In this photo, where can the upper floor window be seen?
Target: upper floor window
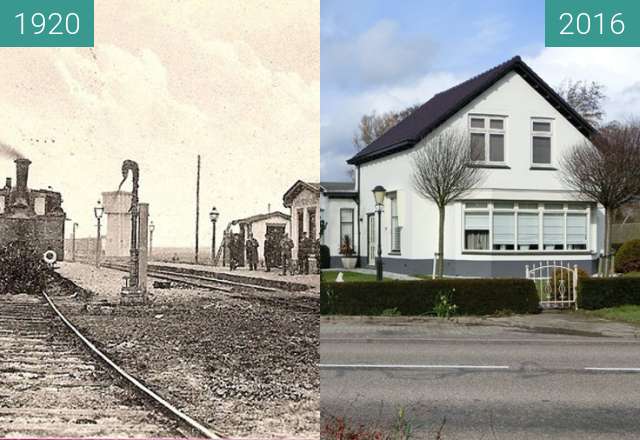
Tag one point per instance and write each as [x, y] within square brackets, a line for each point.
[541, 135]
[487, 138]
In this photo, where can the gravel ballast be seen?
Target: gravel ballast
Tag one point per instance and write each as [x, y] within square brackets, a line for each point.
[242, 365]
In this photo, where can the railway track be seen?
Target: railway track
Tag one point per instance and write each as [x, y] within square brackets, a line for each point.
[55, 383]
[295, 301]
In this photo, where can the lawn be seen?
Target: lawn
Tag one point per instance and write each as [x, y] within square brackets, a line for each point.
[626, 313]
[330, 276]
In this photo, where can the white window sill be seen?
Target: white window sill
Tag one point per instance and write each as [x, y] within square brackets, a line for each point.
[498, 165]
[532, 252]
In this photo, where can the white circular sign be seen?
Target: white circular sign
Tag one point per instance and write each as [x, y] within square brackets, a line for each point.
[50, 257]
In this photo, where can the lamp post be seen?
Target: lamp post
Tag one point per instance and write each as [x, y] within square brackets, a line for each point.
[73, 242]
[213, 216]
[97, 212]
[152, 228]
[378, 194]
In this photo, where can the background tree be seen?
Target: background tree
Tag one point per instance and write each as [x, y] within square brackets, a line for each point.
[607, 171]
[374, 125]
[586, 98]
[441, 173]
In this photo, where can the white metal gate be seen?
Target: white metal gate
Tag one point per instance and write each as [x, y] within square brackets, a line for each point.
[556, 283]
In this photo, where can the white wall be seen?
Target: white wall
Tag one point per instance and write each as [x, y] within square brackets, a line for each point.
[513, 98]
[331, 207]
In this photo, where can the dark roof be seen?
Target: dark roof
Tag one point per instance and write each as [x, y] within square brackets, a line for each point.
[408, 132]
[329, 187]
[260, 217]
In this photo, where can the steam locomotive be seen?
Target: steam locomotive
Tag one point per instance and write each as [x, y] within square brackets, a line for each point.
[33, 217]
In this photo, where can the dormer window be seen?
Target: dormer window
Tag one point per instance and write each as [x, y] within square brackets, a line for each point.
[487, 139]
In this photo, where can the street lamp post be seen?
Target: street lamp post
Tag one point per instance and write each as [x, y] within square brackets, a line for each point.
[152, 228]
[73, 242]
[213, 216]
[97, 212]
[378, 194]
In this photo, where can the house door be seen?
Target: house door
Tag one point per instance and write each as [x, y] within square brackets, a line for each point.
[371, 240]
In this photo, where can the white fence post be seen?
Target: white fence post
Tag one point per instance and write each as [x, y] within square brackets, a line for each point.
[435, 262]
[575, 284]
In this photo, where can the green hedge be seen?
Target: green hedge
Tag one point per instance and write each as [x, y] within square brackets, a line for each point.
[325, 257]
[472, 296]
[598, 293]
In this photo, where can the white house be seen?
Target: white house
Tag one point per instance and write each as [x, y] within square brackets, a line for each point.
[522, 213]
[338, 216]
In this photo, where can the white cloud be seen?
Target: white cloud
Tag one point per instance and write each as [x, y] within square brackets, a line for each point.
[338, 127]
[380, 55]
[616, 68]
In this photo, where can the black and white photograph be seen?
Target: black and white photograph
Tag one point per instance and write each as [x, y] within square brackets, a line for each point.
[159, 225]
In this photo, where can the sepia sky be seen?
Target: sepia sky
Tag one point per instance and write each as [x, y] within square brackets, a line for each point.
[237, 82]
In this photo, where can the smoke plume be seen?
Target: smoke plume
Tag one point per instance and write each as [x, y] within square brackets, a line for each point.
[9, 152]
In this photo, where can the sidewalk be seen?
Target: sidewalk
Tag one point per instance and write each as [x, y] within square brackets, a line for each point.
[544, 324]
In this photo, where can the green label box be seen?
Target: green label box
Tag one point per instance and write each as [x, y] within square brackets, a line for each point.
[592, 23]
[46, 23]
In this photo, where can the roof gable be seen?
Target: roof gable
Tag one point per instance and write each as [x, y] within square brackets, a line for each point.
[444, 105]
[297, 188]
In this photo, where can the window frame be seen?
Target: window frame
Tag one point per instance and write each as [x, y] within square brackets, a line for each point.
[544, 134]
[566, 210]
[487, 131]
[393, 198]
[353, 230]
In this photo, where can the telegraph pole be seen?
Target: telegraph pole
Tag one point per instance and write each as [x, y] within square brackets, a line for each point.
[197, 208]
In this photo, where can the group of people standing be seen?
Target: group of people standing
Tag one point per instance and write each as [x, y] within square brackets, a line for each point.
[277, 252]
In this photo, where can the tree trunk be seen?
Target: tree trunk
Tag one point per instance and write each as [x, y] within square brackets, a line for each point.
[440, 262]
[605, 249]
[607, 242]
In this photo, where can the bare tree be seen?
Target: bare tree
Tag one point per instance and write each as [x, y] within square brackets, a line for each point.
[606, 170]
[585, 97]
[442, 173]
[373, 125]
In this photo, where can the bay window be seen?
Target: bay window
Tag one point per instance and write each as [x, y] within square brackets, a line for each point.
[476, 227]
[506, 226]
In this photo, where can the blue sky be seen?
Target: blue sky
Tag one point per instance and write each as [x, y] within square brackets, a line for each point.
[384, 55]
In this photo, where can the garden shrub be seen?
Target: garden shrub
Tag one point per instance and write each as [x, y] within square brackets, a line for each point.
[628, 257]
[471, 296]
[598, 293]
[325, 257]
[22, 269]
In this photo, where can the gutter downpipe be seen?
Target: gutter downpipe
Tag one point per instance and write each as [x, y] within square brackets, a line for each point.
[358, 210]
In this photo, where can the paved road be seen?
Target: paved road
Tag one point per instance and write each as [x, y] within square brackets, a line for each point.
[504, 384]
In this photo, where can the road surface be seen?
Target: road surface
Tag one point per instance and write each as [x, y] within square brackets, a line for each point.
[488, 382]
